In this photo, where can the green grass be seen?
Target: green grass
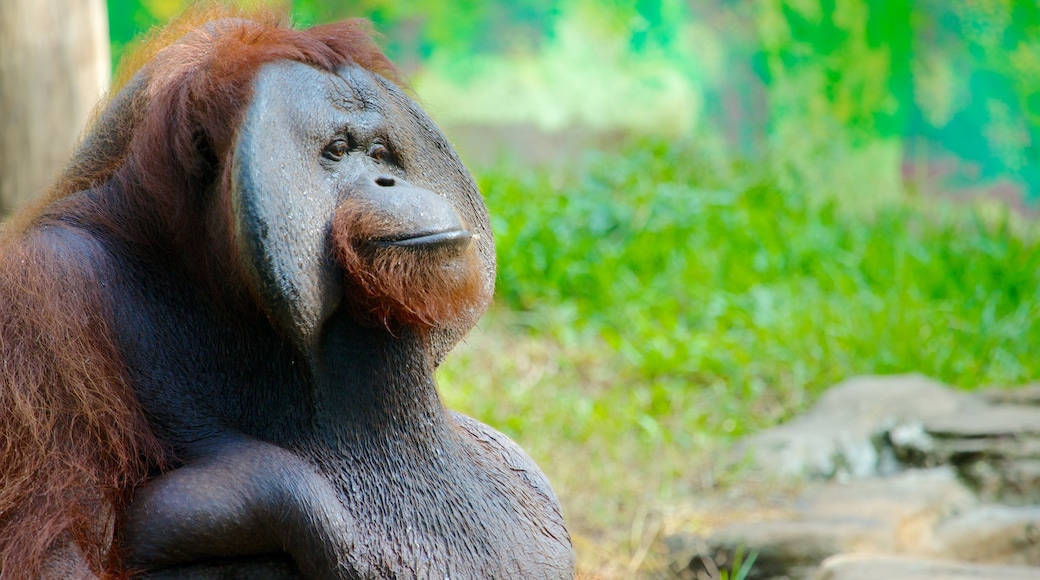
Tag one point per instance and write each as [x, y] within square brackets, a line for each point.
[652, 305]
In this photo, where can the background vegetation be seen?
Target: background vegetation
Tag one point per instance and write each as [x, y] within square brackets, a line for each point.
[772, 213]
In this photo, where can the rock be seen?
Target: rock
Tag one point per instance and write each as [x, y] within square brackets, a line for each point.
[874, 567]
[871, 426]
[993, 534]
[882, 514]
[845, 434]
[1012, 481]
[912, 471]
[996, 448]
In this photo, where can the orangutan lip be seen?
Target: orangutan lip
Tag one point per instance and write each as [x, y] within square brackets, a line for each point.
[448, 238]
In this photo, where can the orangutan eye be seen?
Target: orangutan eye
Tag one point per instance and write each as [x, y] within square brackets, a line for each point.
[379, 152]
[335, 150]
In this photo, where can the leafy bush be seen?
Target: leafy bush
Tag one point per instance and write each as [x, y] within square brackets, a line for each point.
[752, 286]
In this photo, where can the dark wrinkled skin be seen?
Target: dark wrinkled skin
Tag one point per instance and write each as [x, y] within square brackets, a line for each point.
[308, 444]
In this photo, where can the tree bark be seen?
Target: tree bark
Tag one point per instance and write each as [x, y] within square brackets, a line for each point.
[54, 66]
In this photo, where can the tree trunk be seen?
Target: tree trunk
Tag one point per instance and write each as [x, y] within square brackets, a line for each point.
[54, 66]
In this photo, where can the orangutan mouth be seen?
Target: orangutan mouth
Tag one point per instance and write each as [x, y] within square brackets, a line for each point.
[456, 238]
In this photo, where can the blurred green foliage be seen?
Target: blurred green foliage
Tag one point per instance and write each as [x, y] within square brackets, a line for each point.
[858, 97]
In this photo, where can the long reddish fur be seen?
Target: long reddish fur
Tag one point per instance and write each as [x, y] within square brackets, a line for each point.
[73, 439]
[392, 285]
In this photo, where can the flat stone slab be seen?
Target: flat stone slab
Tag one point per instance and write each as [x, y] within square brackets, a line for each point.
[931, 493]
[993, 533]
[894, 514]
[876, 567]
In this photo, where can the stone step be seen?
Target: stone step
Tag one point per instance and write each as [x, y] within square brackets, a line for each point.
[875, 567]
